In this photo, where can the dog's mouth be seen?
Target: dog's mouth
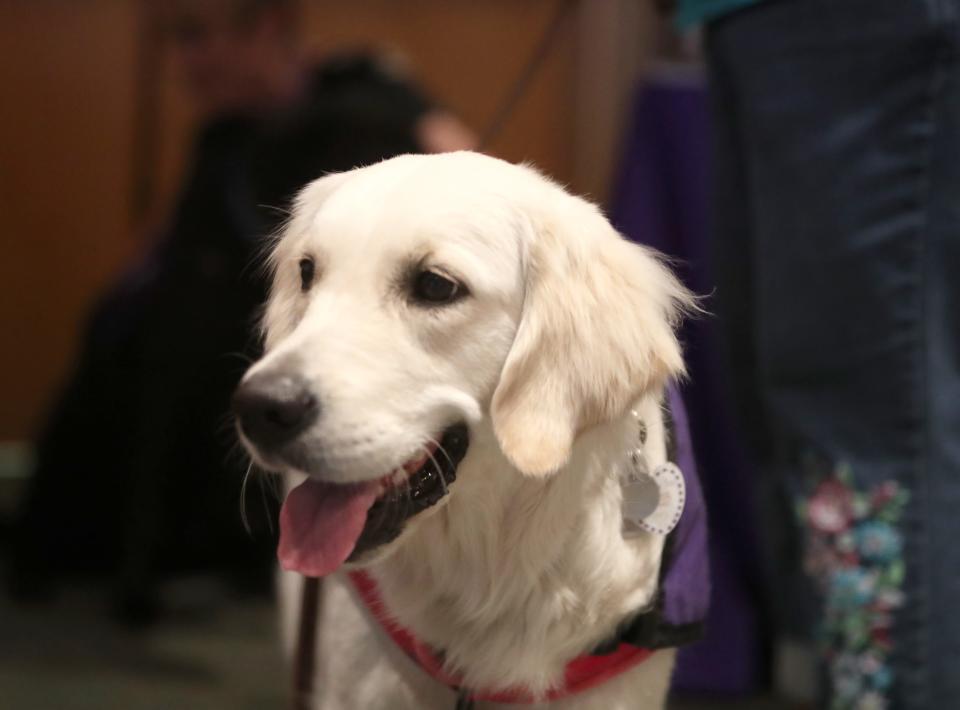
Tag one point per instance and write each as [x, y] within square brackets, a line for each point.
[323, 525]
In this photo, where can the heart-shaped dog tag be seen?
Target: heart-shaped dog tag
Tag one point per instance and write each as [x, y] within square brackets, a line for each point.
[653, 502]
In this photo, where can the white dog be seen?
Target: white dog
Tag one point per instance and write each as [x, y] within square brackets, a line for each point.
[454, 345]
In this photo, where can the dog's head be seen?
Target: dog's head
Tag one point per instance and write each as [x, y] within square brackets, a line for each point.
[413, 299]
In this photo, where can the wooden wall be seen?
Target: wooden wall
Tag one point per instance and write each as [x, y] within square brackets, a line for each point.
[68, 72]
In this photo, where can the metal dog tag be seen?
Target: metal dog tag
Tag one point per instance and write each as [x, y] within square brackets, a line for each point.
[652, 502]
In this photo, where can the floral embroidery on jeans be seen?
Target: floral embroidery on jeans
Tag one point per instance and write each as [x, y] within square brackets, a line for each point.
[854, 551]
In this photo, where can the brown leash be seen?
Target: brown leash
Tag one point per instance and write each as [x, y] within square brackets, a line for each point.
[304, 659]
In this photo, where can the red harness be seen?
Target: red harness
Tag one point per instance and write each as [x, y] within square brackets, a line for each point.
[582, 673]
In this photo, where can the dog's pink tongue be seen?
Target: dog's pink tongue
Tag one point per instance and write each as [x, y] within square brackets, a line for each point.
[320, 524]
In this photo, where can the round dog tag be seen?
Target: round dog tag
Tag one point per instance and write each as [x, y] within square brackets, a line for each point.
[653, 502]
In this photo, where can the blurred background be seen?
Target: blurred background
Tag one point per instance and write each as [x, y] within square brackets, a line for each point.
[146, 148]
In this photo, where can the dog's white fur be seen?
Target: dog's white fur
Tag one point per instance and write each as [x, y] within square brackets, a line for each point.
[523, 566]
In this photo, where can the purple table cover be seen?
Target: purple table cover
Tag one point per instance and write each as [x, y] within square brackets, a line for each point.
[661, 198]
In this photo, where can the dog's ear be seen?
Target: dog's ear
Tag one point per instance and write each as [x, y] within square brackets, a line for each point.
[596, 332]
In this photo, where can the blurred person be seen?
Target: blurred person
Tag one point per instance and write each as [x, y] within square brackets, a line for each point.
[135, 475]
[837, 227]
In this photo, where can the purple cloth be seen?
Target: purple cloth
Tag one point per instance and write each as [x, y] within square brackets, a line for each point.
[686, 585]
[661, 198]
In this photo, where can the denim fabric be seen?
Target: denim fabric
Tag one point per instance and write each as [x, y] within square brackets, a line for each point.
[837, 140]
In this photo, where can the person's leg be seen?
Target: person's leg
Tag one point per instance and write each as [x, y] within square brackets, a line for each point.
[847, 115]
[732, 270]
[941, 256]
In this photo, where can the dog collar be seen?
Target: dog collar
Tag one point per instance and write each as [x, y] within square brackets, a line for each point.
[581, 674]
[675, 619]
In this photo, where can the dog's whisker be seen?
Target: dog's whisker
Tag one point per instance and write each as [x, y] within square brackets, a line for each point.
[276, 487]
[439, 447]
[268, 514]
[241, 356]
[243, 500]
[407, 501]
[227, 425]
[436, 465]
[236, 457]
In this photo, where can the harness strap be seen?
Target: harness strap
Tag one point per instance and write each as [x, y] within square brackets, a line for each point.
[581, 673]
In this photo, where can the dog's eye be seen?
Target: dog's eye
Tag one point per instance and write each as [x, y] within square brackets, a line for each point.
[431, 287]
[307, 269]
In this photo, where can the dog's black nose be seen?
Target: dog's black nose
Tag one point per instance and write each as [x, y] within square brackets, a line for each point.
[274, 409]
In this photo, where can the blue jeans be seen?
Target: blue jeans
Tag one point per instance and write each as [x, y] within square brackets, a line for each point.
[837, 141]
